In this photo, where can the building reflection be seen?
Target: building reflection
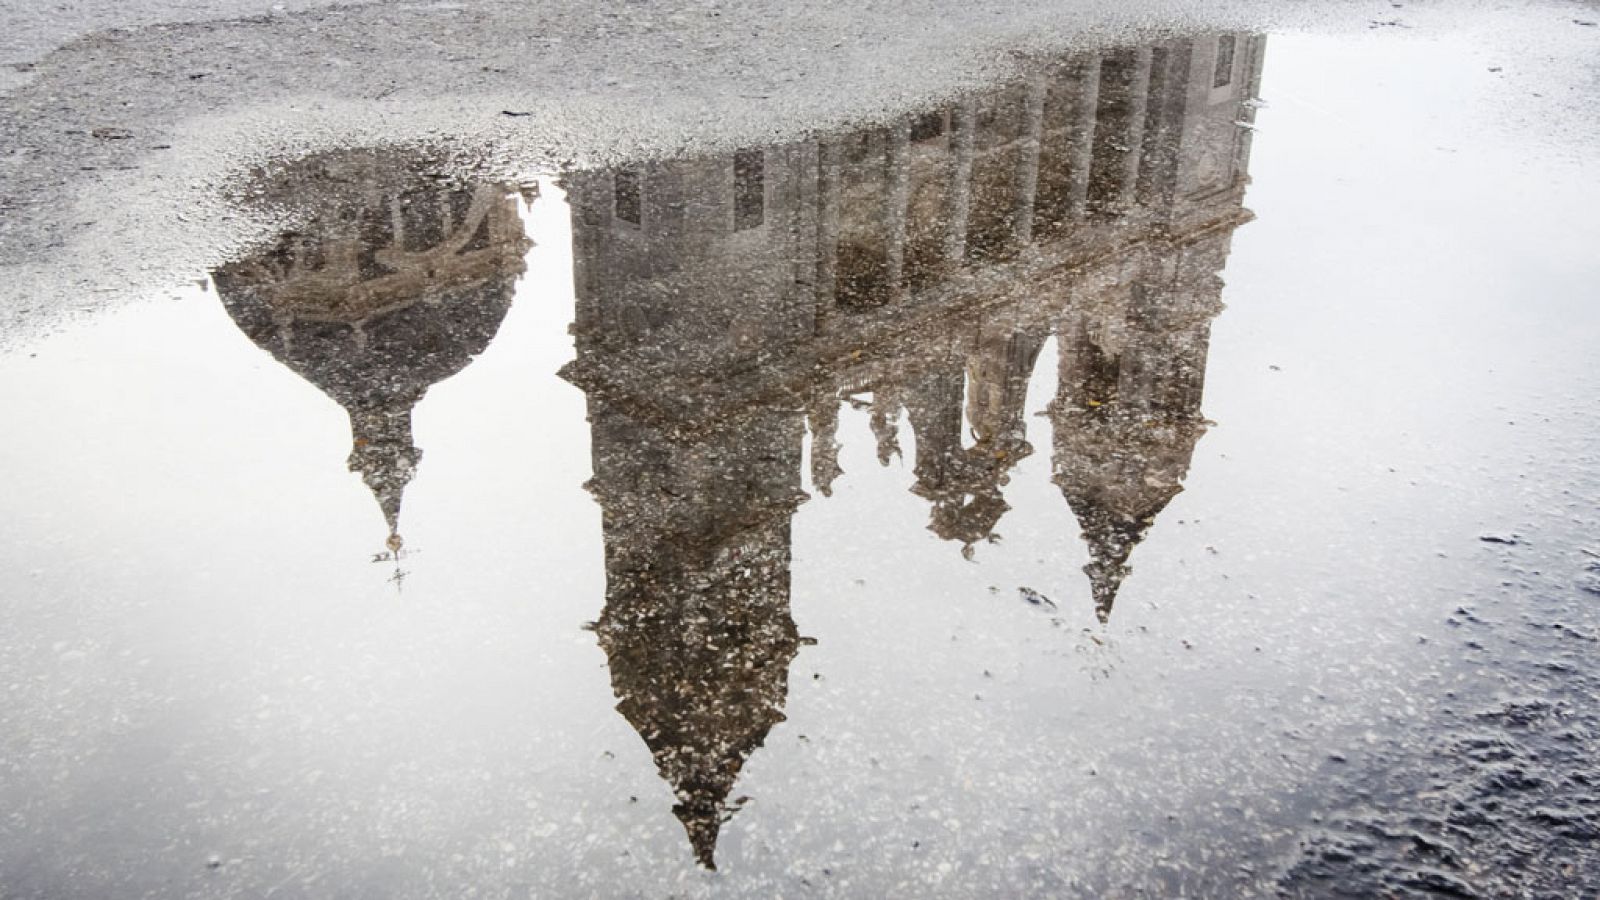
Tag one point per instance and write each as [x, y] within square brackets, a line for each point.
[394, 282]
[727, 305]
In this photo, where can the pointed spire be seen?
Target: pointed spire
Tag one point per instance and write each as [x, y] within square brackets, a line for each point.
[702, 821]
[703, 680]
[699, 649]
[1111, 540]
[1118, 470]
[383, 454]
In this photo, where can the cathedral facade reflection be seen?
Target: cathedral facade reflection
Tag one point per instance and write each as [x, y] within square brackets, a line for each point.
[727, 305]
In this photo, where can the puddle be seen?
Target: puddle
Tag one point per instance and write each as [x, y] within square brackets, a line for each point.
[1075, 487]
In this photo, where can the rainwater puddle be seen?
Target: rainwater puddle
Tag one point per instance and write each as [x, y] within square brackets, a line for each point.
[1081, 487]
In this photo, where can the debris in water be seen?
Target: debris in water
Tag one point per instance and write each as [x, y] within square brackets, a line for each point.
[1034, 598]
[1510, 540]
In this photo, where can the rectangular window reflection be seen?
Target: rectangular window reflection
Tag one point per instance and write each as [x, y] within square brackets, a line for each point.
[749, 188]
[626, 199]
[1224, 75]
[927, 127]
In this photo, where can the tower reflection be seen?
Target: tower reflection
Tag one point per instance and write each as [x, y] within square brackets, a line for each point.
[395, 282]
[696, 625]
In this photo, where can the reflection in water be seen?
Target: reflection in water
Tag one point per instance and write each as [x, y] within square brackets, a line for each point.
[1127, 405]
[696, 623]
[726, 305]
[395, 283]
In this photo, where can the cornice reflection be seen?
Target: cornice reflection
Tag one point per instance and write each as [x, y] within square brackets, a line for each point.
[728, 304]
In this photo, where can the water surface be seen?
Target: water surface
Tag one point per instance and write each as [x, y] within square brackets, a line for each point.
[1102, 483]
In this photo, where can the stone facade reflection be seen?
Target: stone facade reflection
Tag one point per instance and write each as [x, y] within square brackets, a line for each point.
[727, 305]
[394, 282]
[696, 624]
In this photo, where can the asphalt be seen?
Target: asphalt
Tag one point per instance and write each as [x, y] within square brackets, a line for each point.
[124, 123]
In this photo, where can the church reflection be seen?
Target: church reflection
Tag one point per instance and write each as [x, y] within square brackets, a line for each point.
[395, 282]
[728, 305]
